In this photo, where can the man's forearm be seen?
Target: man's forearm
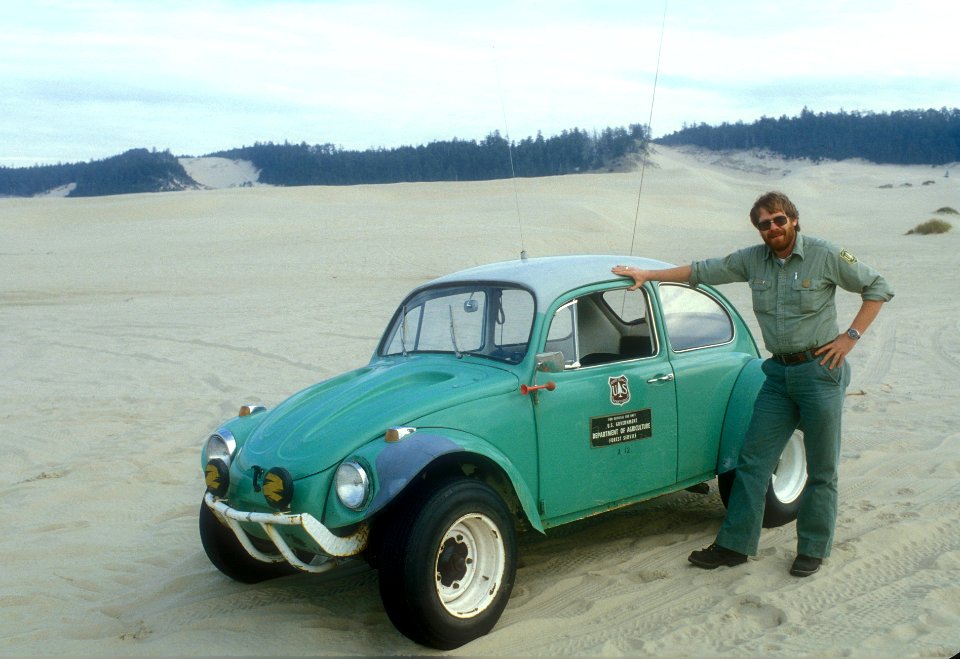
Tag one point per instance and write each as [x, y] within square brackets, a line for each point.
[834, 353]
[867, 314]
[679, 273]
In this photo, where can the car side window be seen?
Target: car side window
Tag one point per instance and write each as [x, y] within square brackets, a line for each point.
[603, 327]
[693, 318]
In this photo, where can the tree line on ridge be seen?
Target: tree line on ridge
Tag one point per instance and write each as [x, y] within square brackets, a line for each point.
[903, 137]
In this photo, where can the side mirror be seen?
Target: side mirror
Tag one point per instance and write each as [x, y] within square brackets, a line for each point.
[550, 362]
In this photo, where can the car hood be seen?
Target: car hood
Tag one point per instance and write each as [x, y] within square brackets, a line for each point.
[321, 425]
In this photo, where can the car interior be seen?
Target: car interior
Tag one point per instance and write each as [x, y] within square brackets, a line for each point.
[610, 326]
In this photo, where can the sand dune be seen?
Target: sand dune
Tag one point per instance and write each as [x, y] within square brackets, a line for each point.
[221, 172]
[133, 325]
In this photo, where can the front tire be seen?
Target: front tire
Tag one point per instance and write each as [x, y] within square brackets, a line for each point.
[448, 566]
[228, 555]
[787, 484]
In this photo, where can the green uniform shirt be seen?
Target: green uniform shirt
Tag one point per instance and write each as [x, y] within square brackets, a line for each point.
[794, 302]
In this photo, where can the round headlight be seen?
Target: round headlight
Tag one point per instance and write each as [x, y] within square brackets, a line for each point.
[353, 485]
[221, 445]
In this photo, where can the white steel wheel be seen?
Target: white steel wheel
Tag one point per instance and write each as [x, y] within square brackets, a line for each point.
[448, 562]
[787, 484]
[470, 564]
[790, 475]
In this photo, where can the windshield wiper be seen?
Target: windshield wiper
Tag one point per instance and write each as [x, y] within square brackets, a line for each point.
[453, 334]
[403, 330]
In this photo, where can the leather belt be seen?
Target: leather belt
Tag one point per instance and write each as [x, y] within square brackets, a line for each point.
[794, 358]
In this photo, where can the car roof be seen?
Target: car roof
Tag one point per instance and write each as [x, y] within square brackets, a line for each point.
[550, 276]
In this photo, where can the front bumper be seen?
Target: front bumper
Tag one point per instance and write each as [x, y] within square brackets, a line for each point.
[328, 545]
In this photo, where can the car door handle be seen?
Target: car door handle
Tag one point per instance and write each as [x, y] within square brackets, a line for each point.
[668, 377]
[533, 388]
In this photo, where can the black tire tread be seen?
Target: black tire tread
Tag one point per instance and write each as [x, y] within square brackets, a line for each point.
[410, 599]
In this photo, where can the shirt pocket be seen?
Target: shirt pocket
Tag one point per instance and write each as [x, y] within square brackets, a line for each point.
[813, 294]
[764, 298]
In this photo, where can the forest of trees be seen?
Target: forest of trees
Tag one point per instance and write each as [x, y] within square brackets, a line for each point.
[140, 170]
[930, 137]
[137, 170]
[454, 160]
[908, 137]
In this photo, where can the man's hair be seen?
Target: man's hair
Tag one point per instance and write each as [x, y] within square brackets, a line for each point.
[774, 202]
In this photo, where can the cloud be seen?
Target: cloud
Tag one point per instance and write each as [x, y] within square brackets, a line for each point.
[211, 74]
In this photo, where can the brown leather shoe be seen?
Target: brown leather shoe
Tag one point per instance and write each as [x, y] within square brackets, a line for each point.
[804, 566]
[714, 556]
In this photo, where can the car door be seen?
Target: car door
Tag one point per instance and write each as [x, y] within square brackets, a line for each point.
[706, 363]
[607, 431]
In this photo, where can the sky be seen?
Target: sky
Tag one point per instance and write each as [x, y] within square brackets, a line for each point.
[84, 80]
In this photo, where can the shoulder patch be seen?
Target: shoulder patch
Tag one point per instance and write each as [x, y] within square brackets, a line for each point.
[848, 257]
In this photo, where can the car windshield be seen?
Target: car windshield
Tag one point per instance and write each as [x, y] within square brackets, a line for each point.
[486, 320]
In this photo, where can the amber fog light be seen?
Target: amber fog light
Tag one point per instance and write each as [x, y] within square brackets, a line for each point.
[278, 488]
[217, 476]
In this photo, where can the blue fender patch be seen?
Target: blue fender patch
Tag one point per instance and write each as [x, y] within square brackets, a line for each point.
[398, 463]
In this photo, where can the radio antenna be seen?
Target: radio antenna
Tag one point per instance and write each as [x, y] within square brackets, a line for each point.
[646, 146]
[513, 173]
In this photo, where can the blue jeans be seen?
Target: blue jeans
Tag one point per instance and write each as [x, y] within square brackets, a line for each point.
[811, 396]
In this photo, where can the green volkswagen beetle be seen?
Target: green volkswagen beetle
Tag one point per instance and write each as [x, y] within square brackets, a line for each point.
[491, 392]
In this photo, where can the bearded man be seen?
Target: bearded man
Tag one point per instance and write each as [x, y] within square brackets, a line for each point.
[793, 279]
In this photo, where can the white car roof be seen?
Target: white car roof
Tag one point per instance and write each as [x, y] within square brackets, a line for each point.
[551, 276]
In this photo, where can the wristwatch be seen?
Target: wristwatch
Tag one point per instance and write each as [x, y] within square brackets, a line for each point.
[854, 334]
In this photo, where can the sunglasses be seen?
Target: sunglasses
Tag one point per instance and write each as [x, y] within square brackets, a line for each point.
[779, 220]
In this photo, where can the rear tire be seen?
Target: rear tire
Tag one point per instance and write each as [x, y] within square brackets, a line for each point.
[448, 568]
[228, 555]
[787, 484]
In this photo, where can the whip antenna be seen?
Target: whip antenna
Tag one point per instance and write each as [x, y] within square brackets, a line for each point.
[646, 148]
[513, 173]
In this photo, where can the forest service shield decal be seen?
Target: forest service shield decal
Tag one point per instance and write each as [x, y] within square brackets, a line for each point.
[619, 390]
